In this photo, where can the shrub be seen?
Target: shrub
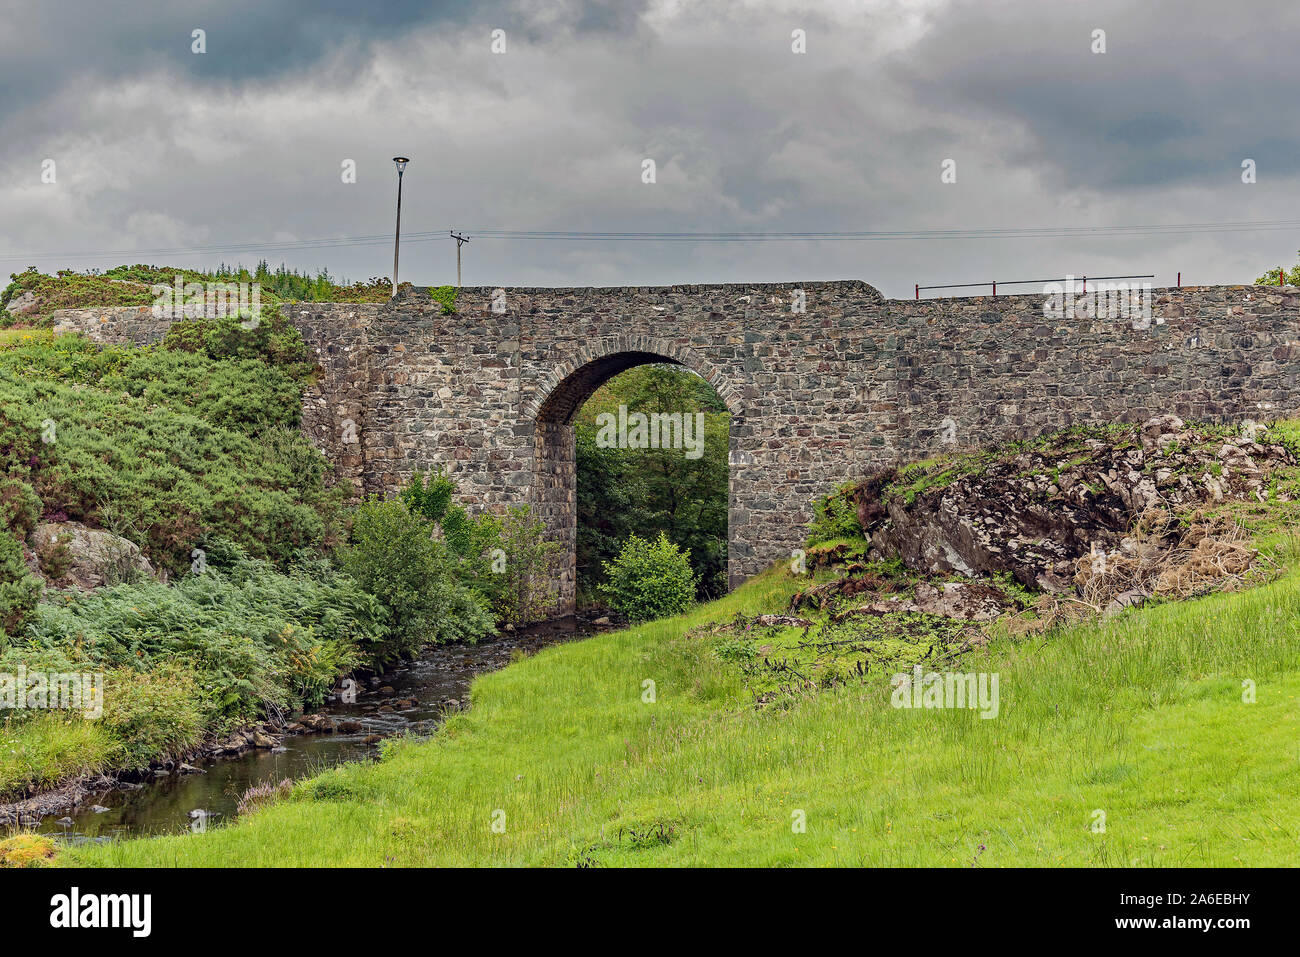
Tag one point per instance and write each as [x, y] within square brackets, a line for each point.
[528, 589]
[69, 290]
[20, 590]
[445, 296]
[245, 395]
[428, 499]
[833, 518]
[649, 580]
[167, 473]
[506, 559]
[273, 339]
[20, 507]
[155, 715]
[55, 555]
[394, 556]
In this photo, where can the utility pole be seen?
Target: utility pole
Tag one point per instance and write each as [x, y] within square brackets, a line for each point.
[460, 241]
[401, 162]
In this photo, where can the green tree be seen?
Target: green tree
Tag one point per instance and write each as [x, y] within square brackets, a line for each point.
[1271, 277]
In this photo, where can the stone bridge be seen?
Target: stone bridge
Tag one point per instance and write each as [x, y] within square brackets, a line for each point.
[824, 380]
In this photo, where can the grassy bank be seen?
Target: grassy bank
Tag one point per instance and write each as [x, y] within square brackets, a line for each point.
[1140, 716]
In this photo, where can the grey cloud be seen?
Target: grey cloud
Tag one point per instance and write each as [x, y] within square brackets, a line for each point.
[747, 137]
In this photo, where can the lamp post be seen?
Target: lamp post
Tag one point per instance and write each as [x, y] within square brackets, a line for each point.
[401, 162]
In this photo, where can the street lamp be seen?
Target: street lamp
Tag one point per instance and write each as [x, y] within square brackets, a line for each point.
[401, 162]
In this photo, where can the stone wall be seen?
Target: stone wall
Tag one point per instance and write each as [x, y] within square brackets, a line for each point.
[817, 397]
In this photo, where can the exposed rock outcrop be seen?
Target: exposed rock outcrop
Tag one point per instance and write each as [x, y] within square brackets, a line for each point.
[1035, 512]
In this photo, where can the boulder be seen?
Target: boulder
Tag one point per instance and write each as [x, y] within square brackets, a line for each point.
[22, 305]
[88, 557]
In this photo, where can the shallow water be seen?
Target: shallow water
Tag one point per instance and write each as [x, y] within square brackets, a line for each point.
[438, 681]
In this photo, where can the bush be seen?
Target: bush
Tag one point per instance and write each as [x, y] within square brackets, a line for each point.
[394, 556]
[506, 559]
[428, 499]
[834, 518]
[528, 583]
[20, 590]
[649, 580]
[245, 395]
[273, 339]
[156, 715]
[20, 507]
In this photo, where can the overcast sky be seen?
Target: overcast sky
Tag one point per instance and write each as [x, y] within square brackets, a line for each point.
[158, 147]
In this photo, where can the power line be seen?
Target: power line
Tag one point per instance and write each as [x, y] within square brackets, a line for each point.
[517, 235]
[1010, 232]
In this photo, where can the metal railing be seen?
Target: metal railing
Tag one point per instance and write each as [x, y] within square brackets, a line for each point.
[1033, 282]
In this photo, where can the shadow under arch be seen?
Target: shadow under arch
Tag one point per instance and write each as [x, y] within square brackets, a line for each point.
[559, 396]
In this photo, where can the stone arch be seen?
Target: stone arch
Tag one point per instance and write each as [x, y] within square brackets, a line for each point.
[561, 393]
[551, 410]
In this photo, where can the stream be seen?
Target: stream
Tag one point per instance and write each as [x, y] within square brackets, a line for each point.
[438, 681]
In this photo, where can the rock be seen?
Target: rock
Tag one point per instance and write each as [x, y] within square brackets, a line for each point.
[1134, 596]
[65, 821]
[348, 727]
[602, 621]
[1035, 513]
[94, 557]
[388, 689]
[973, 601]
[315, 722]
[372, 739]
[865, 498]
[262, 740]
[98, 808]
[24, 304]
[190, 769]
[782, 621]
[1157, 426]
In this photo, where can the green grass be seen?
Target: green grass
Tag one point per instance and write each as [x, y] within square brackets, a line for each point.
[48, 749]
[1140, 716]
